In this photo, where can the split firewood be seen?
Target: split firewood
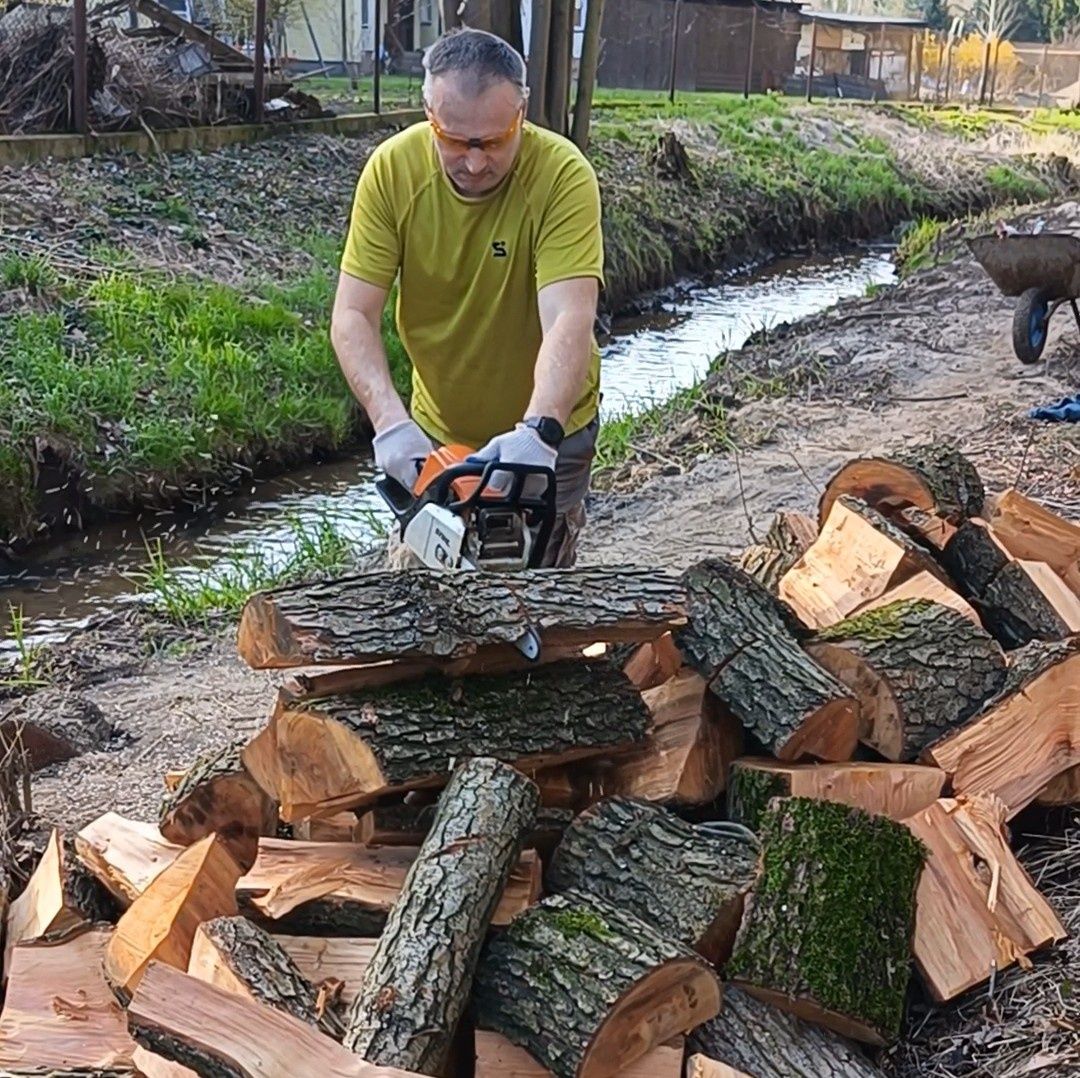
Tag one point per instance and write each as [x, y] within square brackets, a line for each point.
[828, 927]
[1024, 737]
[917, 669]
[61, 897]
[417, 984]
[340, 827]
[756, 1039]
[926, 489]
[424, 613]
[858, 556]
[587, 989]
[654, 662]
[496, 1057]
[1063, 790]
[339, 888]
[701, 1066]
[893, 790]
[240, 957]
[125, 855]
[217, 1032]
[347, 751]
[1031, 532]
[788, 539]
[337, 961]
[217, 795]
[160, 924]
[684, 882]
[743, 641]
[978, 911]
[925, 586]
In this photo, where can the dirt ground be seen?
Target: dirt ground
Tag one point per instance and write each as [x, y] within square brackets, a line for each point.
[929, 359]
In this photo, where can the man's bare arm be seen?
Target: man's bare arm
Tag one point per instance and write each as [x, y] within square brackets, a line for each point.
[567, 315]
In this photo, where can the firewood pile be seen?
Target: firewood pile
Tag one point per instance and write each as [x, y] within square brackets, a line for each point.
[717, 830]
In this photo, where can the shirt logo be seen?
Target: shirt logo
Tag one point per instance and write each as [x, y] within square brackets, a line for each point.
[498, 249]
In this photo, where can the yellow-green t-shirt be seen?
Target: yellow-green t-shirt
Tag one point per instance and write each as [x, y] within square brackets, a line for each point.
[469, 271]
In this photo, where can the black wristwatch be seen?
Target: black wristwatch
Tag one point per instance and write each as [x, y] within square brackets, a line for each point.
[549, 428]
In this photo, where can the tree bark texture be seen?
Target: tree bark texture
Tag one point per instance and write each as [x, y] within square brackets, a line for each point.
[973, 558]
[560, 63]
[757, 1039]
[743, 641]
[422, 612]
[52, 725]
[1017, 612]
[827, 931]
[766, 565]
[538, 70]
[418, 982]
[937, 670]
[556, 977]
[687, 884]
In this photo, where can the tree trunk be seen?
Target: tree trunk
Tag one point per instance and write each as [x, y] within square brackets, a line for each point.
[742, 641]
[918, 670]
[765, 564]
[450, 17]
[686, 884]
[335, 960]
[560, 60]
[590, 61]
[1029, 530]
[417, 985]
[348, 751]
[539, 61]
[506, 22]
[927, 490]
[827, 931]
[425, 613]
[586, 989]
[766, 1042]
[217, 795]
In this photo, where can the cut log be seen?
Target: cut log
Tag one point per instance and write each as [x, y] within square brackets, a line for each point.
[917, 669]
[978, 911]
[974, 556]
[417, 985]
[742, 640]
[587, 989]
[766, 565]
[685, 883]
[240, 957]
[496, 1057]
[160, 924]
[753, 1038]
[893, 790]
[339, 888]
[347, 751]
[53, 725]
[924, 489]
[218, 1033]
[827, 931]
[653, 663]
[924, 586]
[789, 537]
[125, 855]
[1031, 532]
[425, 613]
[340, 827]
[1063, 790]
[857, 557]
[1023, 738]
[217, 795]
[61, 897]
[341, 961]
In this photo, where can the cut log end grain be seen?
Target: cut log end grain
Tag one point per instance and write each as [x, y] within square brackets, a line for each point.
[496, 1057]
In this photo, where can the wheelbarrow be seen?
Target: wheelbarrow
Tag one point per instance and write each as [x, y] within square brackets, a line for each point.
[1043, 271]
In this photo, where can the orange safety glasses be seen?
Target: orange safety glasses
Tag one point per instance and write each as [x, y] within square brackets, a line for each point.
[487, 145]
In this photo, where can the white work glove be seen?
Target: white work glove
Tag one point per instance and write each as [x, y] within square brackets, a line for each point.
[522, 445]
[400, 451]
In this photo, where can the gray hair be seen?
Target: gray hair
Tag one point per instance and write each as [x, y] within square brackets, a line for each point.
[478, 57]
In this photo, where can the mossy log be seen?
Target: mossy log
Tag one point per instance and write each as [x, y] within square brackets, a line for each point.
[766, 1042]
[417, 984]
[918, 669]
[743, 641]
[685, 883]
[923, 489]
[348, 751]
[586, 989]
[216, 795]
[828, 927]
[425, 613]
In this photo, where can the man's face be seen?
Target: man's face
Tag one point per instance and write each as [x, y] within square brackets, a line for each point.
[492, 117]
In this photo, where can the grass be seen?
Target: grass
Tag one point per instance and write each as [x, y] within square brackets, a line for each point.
[918, 245]
[25, 671]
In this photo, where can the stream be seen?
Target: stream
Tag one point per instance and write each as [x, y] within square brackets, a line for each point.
[645, 361]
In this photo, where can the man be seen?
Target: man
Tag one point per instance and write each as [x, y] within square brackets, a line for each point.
[491, 228]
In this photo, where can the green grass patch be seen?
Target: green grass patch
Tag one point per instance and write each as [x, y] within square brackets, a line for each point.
[917, 248]
[25, 671]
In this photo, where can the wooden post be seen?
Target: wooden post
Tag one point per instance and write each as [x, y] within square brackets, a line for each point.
[376, 36]
[813, 60]
[750, 52]
[948, 68]
[79, 107]
[259, 82]
[985, 73]
[590, 59]
[674, 50]
[1042, 74]
[540, 36]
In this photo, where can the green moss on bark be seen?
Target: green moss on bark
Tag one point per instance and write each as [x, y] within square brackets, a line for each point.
[749, 792]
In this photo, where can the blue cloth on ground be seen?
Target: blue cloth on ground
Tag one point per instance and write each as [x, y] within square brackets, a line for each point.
[1066, 410]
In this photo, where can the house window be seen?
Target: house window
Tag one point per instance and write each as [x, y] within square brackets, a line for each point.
[427, 16]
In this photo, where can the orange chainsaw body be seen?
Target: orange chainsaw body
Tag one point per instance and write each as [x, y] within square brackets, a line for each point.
[446, 456]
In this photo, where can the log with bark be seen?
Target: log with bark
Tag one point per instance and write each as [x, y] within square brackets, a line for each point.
[893, 790]
[925, 489]
[423, 613]
[686, 883]
[1031, 532]
[160, 924]
[1026, 736]
[858, 556]
[587, 989]
[217, 795]
[978, 911]
[789, 537]
[918, 670]
[929, 587]
[53, 725]
[743, 641]
[496, 1057]
[417, 984]
[347, 751]
[827, 930]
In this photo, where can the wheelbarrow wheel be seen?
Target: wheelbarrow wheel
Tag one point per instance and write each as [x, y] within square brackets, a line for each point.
[1030, 322]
